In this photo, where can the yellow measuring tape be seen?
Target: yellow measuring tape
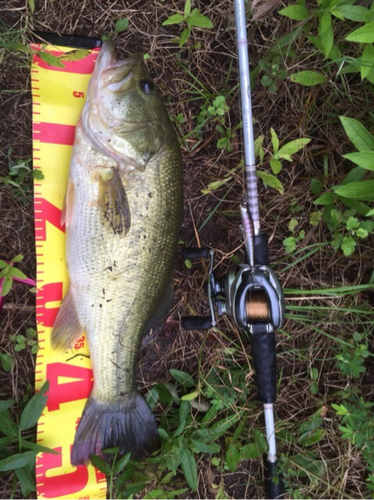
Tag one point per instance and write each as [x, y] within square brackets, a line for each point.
[58, 96]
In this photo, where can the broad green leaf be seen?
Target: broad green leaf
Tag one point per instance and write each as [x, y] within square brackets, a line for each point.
[174, 19]
[361, 208]
[34, 408]
[163, 433]
[326, 33]
[132, 490]
[315, 218]
[6, 362]
[189, 469]
[232, 456]
[290, 244]
[17, 461]
[355, 175]
[310, 425]
[295, 12]
[353, 12]
[337, 14]
[184, 410]
[7, 426]
[348, 245]
[121, 25]
[365, 34]
[50, 59]
[182, 377]
[260, 441]
[201, 447]
[357, 134]
[31, 5]
[340, 409]
[187, 8]
[190, 396]
[74, 55]
[6, 285]
[364, 159]
[5, 404]
[17, 258]
[292, 225]
[325, 199]
[29, 445]
[317, 42]
[308, 78]
[18, 274]
[293, 147]
[274, 140]
[100, 464]
[276, 166]
[6, 270]
[121, 464]
[249, 451]
[271, 181]
[367, 60]
[308, 463]
[310, 438]
[213, 186]
[26, 480]
[316, 186]
[199, 20]
[178, 431]
[222, 142]
[223, 425]
[184, 36]
[327, 39]
[324, 22]
[363, 190]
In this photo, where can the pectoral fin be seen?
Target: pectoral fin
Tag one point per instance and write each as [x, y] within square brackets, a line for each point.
[66, 329]
[115, 210]
[67, 210]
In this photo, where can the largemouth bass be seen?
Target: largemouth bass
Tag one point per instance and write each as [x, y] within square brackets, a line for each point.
[123, 212]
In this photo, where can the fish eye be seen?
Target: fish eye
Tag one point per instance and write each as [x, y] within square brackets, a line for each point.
[146, 86]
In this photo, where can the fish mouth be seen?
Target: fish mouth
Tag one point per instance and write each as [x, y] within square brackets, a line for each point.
[112, 74]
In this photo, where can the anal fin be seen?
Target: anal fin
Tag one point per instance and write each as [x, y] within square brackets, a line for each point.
[66, 329]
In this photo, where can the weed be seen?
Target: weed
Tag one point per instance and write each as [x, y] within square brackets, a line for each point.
[9, 273]
[290, 243]
[272, 72]
[20, 177]
[22, 341]
[192, 18]
[17, 449]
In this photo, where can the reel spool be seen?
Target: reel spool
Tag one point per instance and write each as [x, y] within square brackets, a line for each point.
[257, 307]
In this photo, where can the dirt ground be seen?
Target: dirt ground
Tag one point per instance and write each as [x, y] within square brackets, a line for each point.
[292, 113]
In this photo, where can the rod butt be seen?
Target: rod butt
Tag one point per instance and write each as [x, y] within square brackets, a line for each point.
[274, 487]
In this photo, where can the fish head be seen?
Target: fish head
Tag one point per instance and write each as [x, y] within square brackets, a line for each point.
[124, 115]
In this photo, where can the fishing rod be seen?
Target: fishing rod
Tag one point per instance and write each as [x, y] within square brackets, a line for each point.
[250, 293]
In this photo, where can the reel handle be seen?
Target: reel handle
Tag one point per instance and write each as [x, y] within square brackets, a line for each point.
[195, 253]
[197, 322]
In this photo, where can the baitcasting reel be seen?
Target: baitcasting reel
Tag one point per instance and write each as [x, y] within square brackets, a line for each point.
[250, 295]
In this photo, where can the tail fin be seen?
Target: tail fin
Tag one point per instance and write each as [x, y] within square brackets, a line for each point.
[128, 424]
